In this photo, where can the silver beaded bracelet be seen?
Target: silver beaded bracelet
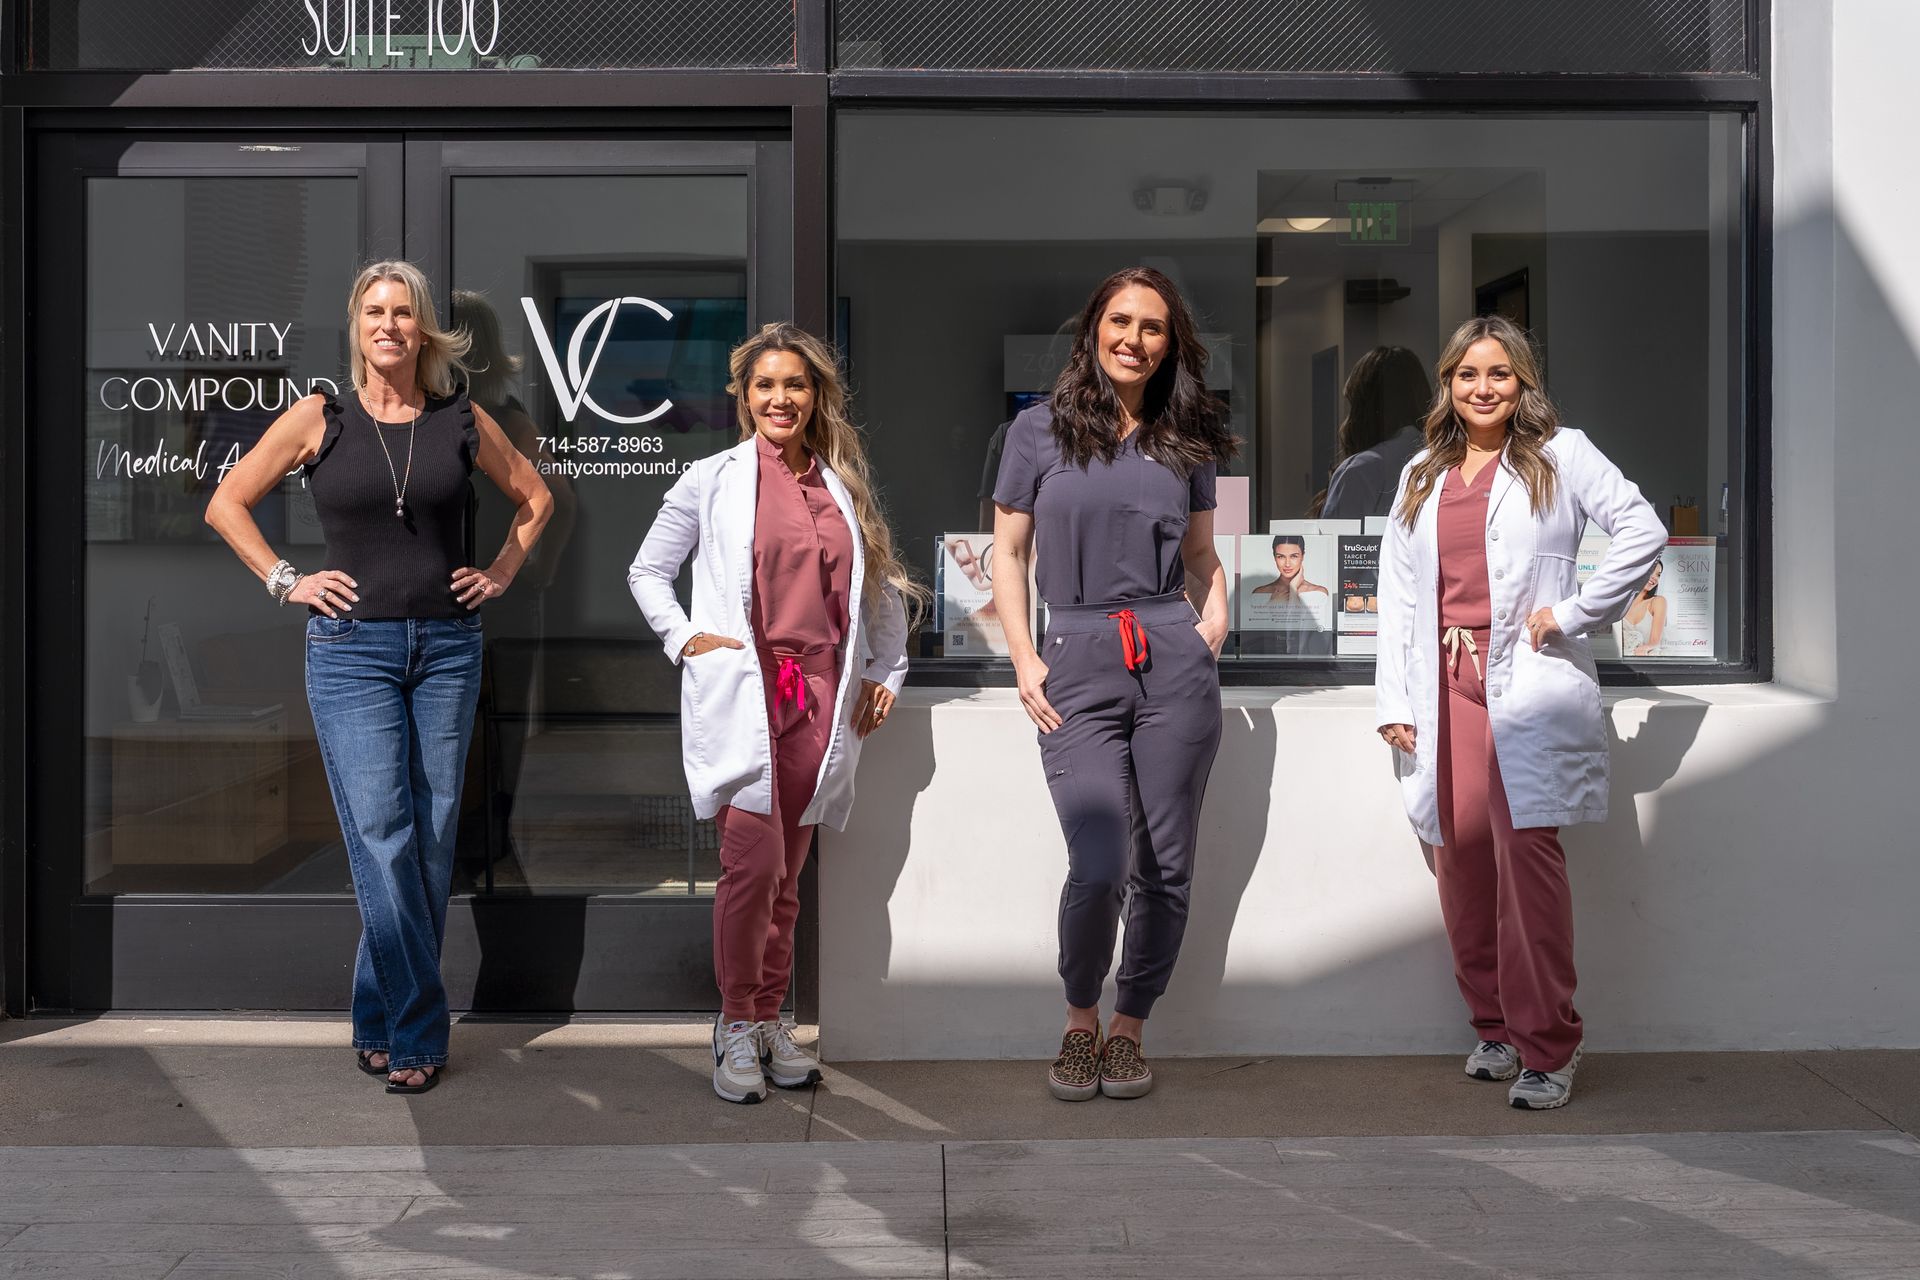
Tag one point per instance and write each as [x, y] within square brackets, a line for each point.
[281, 580]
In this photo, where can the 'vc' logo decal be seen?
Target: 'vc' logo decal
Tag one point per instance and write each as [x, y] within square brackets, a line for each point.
[570, 385]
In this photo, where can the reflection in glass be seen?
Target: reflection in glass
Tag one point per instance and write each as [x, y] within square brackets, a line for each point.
[213, 303]
[603, 308]
[1327, 260]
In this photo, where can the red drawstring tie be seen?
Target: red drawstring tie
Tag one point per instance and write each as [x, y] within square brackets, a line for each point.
[1133, 639]
[790, 684]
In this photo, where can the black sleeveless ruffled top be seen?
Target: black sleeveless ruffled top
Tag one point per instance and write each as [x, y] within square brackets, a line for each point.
[404, 563]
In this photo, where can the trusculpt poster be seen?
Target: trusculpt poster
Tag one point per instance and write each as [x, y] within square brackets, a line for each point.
[969, 625]
[1358, 601]
[1286, 580]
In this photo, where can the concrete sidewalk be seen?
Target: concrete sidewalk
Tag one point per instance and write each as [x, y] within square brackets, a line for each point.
[182, 1148]
[292, 1082]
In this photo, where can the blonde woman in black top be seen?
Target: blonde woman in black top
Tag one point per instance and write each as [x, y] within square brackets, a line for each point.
[393, 636]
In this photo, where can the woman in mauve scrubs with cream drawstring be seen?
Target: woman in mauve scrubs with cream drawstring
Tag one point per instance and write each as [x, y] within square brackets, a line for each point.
[1113, 482]
[1485, 685]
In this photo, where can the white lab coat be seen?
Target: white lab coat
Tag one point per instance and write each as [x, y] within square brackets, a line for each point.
[1544, 707]
[725, 742]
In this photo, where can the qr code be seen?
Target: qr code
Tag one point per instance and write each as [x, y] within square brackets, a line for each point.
[956, 640]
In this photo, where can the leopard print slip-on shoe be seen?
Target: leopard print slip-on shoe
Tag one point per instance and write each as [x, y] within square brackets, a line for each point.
[1076, 1072]
[1123, 1072]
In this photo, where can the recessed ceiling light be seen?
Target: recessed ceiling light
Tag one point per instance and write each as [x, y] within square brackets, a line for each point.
[1285, 226]
[1268, 282]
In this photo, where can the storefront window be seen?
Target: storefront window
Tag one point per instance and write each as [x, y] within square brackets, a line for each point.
[213, 303]
[1327, 259]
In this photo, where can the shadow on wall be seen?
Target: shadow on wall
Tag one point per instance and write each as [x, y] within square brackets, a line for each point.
[1753, 888]
[886, 824]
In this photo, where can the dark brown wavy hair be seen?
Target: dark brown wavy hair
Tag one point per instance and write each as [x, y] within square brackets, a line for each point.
[1533, 423]
[1182, 424]
[1386, 391]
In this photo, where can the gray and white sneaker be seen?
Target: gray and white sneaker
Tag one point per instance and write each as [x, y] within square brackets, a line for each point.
[1544, 1090]
[787, 1064]
[736, 1061]
[1493, 1060]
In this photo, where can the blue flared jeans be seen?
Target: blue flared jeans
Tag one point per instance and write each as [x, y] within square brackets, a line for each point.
[393, 703]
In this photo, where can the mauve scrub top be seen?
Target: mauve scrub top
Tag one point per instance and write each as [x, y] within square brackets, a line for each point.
[1466, 597]
[1105, 533]
[802, 558]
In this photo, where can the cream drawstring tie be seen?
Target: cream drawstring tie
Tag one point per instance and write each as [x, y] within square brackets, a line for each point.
[1455, 639]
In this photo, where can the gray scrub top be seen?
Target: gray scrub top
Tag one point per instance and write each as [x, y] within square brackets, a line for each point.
[1108, 532]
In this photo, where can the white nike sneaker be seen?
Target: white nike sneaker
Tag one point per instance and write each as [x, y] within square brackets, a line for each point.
[1493, 1060]
[787, 1064]
[1544, 1090]
[736, 1061]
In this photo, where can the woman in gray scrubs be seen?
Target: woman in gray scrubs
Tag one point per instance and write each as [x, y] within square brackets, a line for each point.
[1113, 482]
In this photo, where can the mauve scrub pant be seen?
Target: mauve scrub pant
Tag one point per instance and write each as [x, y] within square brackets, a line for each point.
[1128, 769]
[1503, 890]
[761, 854]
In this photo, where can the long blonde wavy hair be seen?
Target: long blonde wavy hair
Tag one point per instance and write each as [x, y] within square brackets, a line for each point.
[443, 352]
[834, 438]
[1533, 422]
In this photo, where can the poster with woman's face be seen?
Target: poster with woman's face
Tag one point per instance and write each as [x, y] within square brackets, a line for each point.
[1287, 582]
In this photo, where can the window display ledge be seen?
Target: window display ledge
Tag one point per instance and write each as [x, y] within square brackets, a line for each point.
[1347, 697]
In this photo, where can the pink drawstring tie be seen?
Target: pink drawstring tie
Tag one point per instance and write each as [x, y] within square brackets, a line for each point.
[790, 684]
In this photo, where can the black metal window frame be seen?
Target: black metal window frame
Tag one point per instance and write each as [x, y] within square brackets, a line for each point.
[1364, 37]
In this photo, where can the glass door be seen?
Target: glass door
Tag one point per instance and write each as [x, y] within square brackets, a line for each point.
[189, 292]
[186, 853]
[604, 283]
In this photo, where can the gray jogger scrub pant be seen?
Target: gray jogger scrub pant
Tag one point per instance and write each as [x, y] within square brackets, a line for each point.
[1138, 692]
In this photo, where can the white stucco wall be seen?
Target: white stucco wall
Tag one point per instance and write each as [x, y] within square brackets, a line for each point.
[1756, 885]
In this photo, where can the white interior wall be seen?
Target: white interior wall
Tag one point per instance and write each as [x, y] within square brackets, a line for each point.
[1754, 887]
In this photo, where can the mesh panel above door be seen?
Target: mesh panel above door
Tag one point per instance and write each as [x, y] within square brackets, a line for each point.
[1622, 37]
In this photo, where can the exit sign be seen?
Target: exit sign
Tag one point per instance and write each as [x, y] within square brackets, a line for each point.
[1374, 222]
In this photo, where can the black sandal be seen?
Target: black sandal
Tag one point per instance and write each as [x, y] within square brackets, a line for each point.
[432, 1072]
[365, 1058]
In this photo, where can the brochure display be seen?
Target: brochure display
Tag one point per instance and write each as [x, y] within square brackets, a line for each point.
[1287, 578]
[969, 626]
[1227, 548]
[1605, 644]
[1676, 620]
[1233, 505]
